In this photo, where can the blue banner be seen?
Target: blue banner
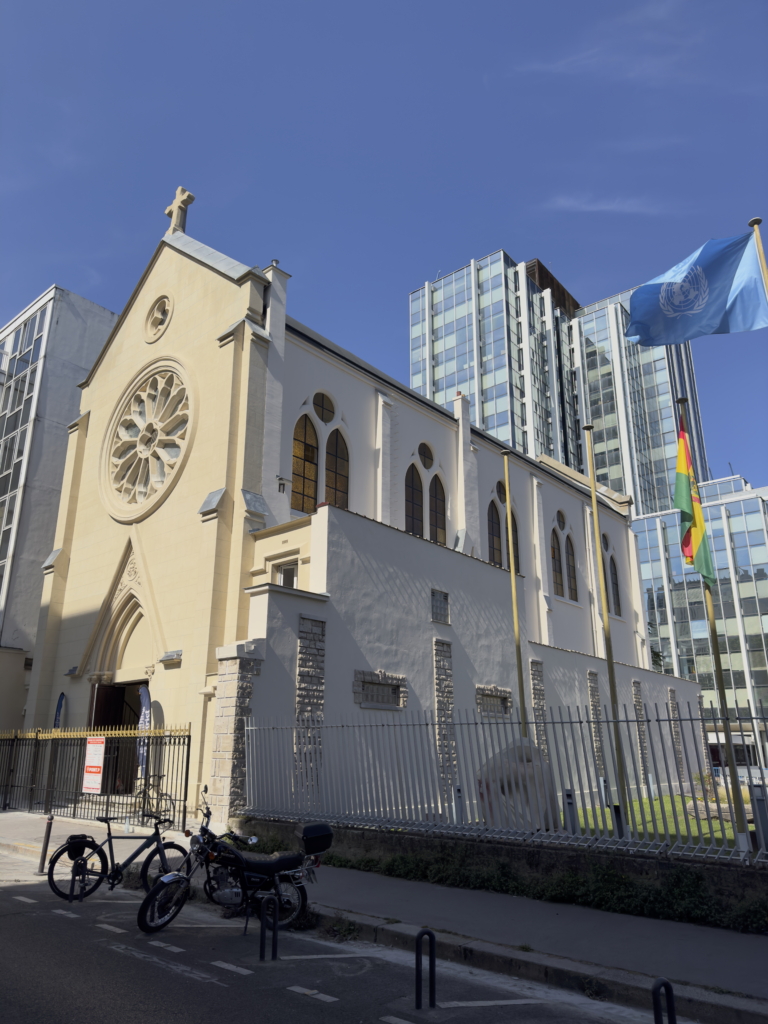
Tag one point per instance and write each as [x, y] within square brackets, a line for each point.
[717, 290]
[59, 709]
[145, 721]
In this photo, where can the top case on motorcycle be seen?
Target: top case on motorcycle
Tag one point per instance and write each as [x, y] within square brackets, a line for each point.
[260, 864]
[316, 837]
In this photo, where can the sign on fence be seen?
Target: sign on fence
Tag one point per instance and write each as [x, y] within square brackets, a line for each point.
[93, 770]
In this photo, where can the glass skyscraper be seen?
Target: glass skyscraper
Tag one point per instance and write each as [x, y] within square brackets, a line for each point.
[737, 521]
[631, 394]
[500, 332]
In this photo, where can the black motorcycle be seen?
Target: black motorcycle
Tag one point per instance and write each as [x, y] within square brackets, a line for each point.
[237, 877]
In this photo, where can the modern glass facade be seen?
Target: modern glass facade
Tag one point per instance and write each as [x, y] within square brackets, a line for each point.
[737, 521]
[491, 332]
[631, 393]
[21, 350]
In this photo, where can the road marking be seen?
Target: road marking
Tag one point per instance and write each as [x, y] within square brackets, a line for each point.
[394, 1020]
[489, 1002]
[230, 967]
[166, 945]
[327, 956]
[313, 993]
[110, 928]
[168, 965]
[65, 913]
[24, 899]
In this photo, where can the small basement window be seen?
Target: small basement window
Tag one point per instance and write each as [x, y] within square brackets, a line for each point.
[380, 690]
[440, 608]
[288, 575]
[493, 701]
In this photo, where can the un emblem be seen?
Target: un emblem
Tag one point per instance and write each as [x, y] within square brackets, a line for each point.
[686, 297]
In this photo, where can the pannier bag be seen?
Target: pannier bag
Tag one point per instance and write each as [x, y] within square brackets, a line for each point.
[316, 837]
[76, 846]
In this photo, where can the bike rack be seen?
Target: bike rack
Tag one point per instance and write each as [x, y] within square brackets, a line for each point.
[658, 1015]
[432, 947]
[268, 901]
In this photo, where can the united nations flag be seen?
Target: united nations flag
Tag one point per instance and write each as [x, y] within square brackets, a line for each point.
[720, 289]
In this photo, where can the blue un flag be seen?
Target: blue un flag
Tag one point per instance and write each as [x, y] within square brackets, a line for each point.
[718, 290]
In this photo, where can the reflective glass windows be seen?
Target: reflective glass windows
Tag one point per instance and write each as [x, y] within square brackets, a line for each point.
[615, 593]
[414, 502]
[337, 470]
[557, 564]
[304, 481]
[436, 511]
[494, 535]
[570, 562]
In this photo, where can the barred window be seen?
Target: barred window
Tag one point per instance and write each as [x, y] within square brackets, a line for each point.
[570, 562]
[440, 607]
[557, 565]
[337, 471]
[615, 588]
[304, 482]
[414, 503]
[436, 511]
[494, 535]
[493, 701]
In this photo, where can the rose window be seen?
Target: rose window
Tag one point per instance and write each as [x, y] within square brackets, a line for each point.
[150, 439]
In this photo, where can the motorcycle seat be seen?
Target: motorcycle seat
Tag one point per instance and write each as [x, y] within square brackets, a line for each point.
[272, 865]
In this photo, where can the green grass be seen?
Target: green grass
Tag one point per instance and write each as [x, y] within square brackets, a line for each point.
[666, 819]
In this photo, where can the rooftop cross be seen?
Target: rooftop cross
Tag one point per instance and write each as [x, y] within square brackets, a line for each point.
[177, 211]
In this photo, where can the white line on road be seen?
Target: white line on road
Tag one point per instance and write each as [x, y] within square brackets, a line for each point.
[230, 967]
[168, 965]
[313, 993]
[24, 899]
[489, 1002]
[394, 1020]
[166, 945]
[110, 928]
[328, 956]
[65, 913]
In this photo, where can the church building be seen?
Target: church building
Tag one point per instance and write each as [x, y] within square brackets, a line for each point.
[255, 522]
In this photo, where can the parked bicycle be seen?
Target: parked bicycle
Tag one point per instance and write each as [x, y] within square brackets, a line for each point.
[148, 798]
[238, 878]
[79, 866]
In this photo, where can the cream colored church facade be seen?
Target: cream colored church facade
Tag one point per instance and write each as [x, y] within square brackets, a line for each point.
[254, 522]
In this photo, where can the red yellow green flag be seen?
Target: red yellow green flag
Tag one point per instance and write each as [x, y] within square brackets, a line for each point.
[693, 530]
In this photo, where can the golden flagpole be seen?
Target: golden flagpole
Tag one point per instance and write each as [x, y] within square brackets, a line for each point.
[621, 778]
[733, 775]
[515, 610]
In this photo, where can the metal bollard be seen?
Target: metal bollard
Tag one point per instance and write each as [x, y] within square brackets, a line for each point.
[432, 946]
[268, 901]
[658, 1015]
[46, 839]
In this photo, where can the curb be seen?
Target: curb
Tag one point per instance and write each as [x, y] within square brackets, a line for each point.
[25, 849]
[606, 984]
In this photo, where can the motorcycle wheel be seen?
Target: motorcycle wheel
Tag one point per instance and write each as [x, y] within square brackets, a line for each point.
[162, 904]
[292, 900]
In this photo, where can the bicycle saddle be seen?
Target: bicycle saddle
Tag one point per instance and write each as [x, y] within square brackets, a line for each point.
[106, 819]
[273, 865]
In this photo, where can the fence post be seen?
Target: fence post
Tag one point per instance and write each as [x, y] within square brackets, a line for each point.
[11, 769]
[432, 947]
[188, 744]
[658, 1014]
[569, 812]
[33, 772]
[760, 813]
[271, 902]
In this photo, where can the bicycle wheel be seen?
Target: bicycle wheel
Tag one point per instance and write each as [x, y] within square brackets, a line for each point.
[293, 903]
[152, 869]
[61, 869]
[162, 904]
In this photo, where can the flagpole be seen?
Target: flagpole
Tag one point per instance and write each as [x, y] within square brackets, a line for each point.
[515, 610]
[733, 775]
[755, 225]
[621, 780]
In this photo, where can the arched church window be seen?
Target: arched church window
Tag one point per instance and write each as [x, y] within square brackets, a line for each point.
[615, 587]
[494, 535]
[570, 563]
[414, 503]
[337, 470]
[557, 565]
[436, 511]
[304, 482]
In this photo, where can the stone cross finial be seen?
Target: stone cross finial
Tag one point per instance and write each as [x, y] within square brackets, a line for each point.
[177, 211]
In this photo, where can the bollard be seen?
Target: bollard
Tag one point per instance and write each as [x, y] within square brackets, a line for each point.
[569, 813]
[432, 946]
[46, 839]
[268, 901]
[658, 1015]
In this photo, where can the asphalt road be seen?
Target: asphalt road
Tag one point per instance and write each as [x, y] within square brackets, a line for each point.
[88, 962]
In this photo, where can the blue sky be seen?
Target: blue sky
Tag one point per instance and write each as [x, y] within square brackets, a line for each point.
[371, 146]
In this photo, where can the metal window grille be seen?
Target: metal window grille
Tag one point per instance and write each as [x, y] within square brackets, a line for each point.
[440, 607]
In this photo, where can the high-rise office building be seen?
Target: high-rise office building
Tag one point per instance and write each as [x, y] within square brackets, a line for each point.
[630, 394]
[45, 352]
[536, 367]
[500, 332]
[736, 518]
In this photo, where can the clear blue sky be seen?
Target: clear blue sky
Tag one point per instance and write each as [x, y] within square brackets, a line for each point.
[370, 145]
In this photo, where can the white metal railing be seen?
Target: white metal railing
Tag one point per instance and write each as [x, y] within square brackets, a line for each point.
[650, 783]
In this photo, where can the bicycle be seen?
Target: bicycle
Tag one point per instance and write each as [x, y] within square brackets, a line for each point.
[149, 798]
[79, 866]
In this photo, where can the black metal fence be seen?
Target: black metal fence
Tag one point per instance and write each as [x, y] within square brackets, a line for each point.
[144, 771]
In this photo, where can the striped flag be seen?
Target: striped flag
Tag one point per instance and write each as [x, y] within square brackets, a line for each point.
[693, 530]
